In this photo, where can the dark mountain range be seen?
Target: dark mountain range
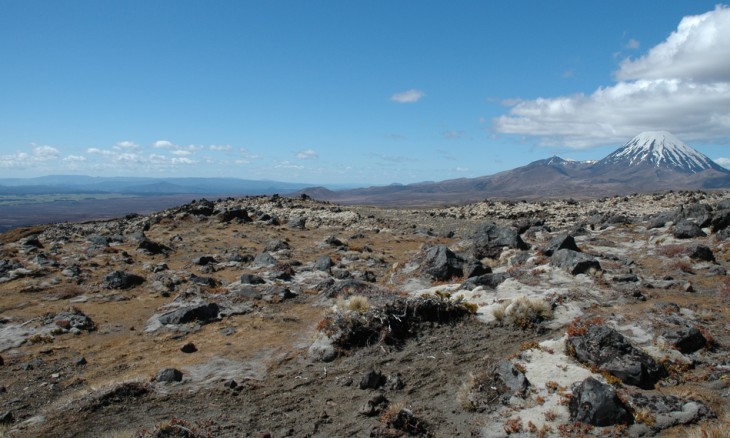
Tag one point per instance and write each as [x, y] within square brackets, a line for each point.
[651, 161]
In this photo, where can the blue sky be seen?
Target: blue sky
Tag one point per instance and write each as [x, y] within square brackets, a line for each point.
[360, 92]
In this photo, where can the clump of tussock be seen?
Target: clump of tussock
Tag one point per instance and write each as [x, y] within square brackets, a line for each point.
[523, 312]
[390, 323]
[356, 303]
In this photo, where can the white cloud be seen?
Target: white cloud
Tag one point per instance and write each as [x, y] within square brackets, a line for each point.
[307, 154]
[214, 147]
[461, 169]
[163, 144]
[75, 158]
[182, 160]
[42, 153]
[633, 44]
[682, 85]
[126, 146]
[180, 153]
[408, 96]
[724, 162]
[698, 50]
[287, 165]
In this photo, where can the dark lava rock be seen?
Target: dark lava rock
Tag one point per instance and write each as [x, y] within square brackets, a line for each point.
[368, 276]
[660, 220]
[236, 213]
[231, 384]
[204, 281]
[512, 378]
[31, 242]
[80, 361]
[74, 319]
[7, 266]
[323, 263]
[688, 230]
[277, 293]
[341, 274]
[169, 375]
[204, 260]
[333, 241]
[490, 281]
[374, 406]
[701, 214]
[720, 220]
[442, 264]
[152, 248]
[372, 380]
[574, 262]
[277, 245]
[200, 208]
[702, 252]
[686, 340]
[565, 241]
[490, 239]
[474, 268]
[122, 280]
[298, 223]
[264, 259]
[668, 410]
[2, 361]
[251, 279]
[6, 417]
[189, 348]
[596, 403]
[610, 351]
[200, 313]
[625, 278]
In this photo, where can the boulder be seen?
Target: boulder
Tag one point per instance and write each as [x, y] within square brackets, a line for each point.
[333, 241]
[596, 403]
[264, 259]
[204, 281]
[610, 351]
[720, 220]
[686, 229]
[490, 239]
[563, 241]
[441, 264]
[7, 417]
[73, 319]
[189, 348]
[251, 279]
[372, 380]
[235, 213]
[198, 313]
[201, 208]
[169, 375]
[574, 262]
[701, 252]
[204, 260]
[323, 263]
[686, 340]
[489, 281]
[322, 349]
[153, 248]
[512, 378]
[668, 410]
[297, 223]
[701, 214]
[276, 245]
[122, 280]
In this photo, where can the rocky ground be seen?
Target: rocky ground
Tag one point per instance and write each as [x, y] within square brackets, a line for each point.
[269, 316]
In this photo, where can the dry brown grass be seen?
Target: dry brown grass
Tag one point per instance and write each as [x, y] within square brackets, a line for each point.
[523, 312]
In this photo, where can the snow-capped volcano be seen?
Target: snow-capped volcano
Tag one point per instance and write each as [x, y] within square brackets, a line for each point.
[659, 149]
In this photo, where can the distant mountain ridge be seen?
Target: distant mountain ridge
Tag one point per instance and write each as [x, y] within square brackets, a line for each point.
[651, 161]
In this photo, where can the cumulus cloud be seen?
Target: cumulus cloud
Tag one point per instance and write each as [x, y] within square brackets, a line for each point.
[39, 155]
[75, 158]
[219, 147]
[681, 85]
[126, 146]
[307, 154]
[408, 96]
[163, 144]
[724, 162]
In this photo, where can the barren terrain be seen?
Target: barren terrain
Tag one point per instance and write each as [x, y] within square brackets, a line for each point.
[292, 317]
